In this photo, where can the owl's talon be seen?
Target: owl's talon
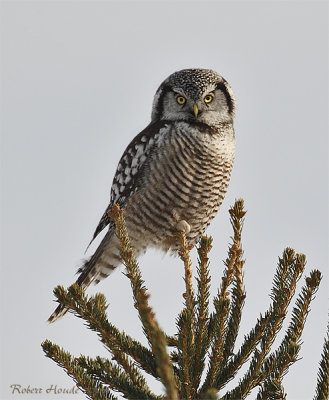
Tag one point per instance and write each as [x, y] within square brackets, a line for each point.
[183, 226]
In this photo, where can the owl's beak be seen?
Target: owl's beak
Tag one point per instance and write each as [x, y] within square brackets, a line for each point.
[196, 110]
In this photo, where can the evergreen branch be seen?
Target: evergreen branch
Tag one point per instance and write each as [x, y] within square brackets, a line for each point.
[238, 293]
[223, 342]
[289, 270]
[322, 387]
[278, 363]
[222, 305]
[186, 323]
[272, 369]
[172, 341]
[152, 331]
[242, 355]
[237, 301]
[175, 359]
[89, 385]
[228, 274]
[132, 373]
[237, 214]
[117, 379]
[218, 322]
[198, 331]
[184, 253]
[271, 390]
[183, 355]
[93, 311]
[201, 342]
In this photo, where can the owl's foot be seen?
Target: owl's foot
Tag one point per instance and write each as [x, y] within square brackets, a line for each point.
[183, 226]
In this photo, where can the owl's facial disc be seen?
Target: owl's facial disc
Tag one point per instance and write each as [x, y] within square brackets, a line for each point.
[194, 95]
[209, 107]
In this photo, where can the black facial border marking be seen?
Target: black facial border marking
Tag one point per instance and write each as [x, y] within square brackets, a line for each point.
[223, 88]
[159, 107]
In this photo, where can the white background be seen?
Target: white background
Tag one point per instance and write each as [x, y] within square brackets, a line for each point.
[78, 80]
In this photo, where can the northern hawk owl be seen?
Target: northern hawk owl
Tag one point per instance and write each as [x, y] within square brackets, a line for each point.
[173, 175]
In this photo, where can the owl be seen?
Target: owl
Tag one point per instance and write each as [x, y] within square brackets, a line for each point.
[173, 175]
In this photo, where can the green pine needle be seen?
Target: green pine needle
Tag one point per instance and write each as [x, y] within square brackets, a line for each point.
[92, 387]
[322, 388]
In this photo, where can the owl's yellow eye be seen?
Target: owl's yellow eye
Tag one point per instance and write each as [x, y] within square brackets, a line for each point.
[208, 99]
[180, 100]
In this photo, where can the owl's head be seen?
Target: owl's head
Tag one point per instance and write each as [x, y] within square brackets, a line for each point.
[194, 95]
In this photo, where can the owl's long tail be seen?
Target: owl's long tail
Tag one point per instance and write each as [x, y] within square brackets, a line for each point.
[105, 259]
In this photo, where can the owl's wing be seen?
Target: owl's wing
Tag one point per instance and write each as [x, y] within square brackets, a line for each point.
[128, 176]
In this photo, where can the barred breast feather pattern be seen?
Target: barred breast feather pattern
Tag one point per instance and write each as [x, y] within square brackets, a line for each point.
[173, 176]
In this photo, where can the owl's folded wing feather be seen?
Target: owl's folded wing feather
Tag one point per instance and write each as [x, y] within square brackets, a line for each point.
[129, 172]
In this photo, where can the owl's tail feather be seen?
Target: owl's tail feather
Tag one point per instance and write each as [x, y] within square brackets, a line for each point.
[93, 270]
[58, 313]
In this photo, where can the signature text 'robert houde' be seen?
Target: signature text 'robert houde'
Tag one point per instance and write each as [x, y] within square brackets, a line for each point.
[52, 389]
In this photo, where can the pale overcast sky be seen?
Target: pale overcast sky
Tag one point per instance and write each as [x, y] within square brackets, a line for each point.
[78, 80]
